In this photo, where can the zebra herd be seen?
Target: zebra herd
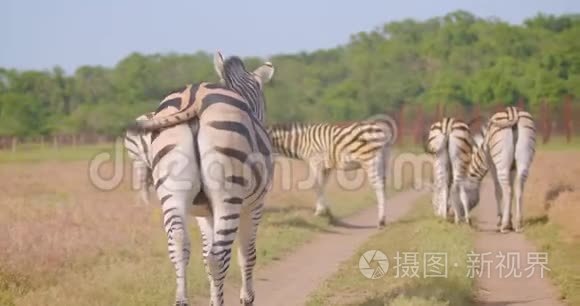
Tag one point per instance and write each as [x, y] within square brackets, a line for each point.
[207, 152]
[505, 146]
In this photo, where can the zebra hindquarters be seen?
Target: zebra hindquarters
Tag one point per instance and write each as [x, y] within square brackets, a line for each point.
[459, 150]
[524, 154]
[225, 150]
[177, 180]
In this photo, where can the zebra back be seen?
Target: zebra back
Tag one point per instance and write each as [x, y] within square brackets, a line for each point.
[337, 143]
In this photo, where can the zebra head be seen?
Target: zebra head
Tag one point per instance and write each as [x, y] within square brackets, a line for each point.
[233, 75]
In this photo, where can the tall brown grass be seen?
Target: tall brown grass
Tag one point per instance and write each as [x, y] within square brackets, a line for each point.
[64, 241]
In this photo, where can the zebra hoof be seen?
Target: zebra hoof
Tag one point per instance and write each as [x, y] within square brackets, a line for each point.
[181, 303]
[505, 228]
[248, 302]
[322, 213]
[382, 224]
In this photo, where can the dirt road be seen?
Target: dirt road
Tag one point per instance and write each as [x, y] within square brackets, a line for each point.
[497, 283]
[290, 281]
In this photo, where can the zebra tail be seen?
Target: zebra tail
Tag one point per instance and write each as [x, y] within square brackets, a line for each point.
[506, 119]
[437, 146]
[157, 123]
[389, 129]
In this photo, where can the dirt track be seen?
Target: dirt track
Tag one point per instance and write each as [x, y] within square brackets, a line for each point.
[290, 281]
[497, 288]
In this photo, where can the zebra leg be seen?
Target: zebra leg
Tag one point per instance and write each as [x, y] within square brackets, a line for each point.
[498, 196]
[206, 229]
[444, 197]
[142, 181]
[247, 251]
[454, 199]
[375, 171]
[506, 198]
[442, 182]
[459, 202]
[178, 243]
[321, 177]
[226, 220]
[463, 198]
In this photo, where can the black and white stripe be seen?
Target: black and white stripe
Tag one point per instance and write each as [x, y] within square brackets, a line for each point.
[168, 158]
[235, 165]
[345, 146]
[449, 141]
[507, 148]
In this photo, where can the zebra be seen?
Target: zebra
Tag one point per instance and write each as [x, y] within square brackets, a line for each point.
[347, 146]
[136, 146]
[506, 147]
[167, 161]
[450, 142]
[235, 166]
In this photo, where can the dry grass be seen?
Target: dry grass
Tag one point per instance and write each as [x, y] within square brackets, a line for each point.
[64, 242]
[551, 208]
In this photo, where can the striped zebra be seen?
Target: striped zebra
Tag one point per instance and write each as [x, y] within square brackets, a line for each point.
[235, 169]
[169, 159]
[450, 143]
[136, 146]
[346, 146]
[506, 147]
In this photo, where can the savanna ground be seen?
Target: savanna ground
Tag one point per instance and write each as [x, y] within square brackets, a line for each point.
[65, 242]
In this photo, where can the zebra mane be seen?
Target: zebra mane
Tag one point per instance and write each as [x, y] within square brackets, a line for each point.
[235, 70]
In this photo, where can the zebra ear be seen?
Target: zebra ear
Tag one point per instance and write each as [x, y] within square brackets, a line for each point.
[264, 73]
[218, 64]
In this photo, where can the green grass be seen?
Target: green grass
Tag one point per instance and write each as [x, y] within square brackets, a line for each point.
[564, 256]
[420, 232]
[558, 143]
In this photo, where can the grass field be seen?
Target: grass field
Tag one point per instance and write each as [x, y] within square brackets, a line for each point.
[65, 242]
[552, 207]
[419, 233]
[37, 153]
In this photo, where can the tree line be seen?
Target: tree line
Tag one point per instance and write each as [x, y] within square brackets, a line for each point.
[456, 59]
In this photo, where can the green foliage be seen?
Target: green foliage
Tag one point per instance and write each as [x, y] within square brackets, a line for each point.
[458, 58]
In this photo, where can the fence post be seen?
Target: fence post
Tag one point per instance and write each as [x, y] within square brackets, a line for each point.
[401, 125]
[547, 122]
[419, 125]
[521, 103]
[567, 114]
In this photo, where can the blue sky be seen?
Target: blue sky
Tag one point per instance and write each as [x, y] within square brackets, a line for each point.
[43, 33]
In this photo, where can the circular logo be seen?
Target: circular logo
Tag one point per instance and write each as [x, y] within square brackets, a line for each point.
[373, 264]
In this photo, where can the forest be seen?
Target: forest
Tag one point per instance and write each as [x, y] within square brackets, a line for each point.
[456, 59]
